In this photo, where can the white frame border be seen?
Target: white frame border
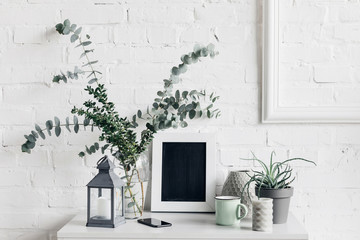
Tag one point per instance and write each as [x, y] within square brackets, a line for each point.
[272, 112]
[159, 206]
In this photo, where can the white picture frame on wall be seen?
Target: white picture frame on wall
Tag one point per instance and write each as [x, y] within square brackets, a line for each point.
[272, 111]
[157, 204]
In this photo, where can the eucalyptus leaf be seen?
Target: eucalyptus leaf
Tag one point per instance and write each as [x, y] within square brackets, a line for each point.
[57, 131]
[91, 81]
[37, 128]
[67, 22]
[76, 128]
[86, 43]
[96, 145]
[74, 37]
[24, 148]
[76, 121]
[67, 124]
[30, 145]
[41, 134]
[57, 121]
[131, 204]
[192, 114]
[183, 124]
[35, 134]
[86, 122]
[78, 31]
[88, 150]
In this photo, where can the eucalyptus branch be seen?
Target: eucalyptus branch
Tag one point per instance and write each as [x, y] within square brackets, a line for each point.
[168, 110]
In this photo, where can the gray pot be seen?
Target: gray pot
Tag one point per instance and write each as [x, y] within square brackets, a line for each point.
[281, 201]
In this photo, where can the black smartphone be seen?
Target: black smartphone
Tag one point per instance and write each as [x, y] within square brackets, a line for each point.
[153, 222]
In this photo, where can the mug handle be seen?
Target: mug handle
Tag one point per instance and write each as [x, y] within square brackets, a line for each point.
[238, 211]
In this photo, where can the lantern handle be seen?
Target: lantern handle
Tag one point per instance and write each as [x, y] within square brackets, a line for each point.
[101, 160]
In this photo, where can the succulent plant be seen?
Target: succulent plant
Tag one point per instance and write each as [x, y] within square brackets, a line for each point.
[277, 175]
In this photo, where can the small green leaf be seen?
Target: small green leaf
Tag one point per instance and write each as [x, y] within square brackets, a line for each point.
[57, 131]
[87, 150]
[177, 95]
[38, 128]
[67, 124]
[41, 134]
[73, 27]
[78, 31]
[74, 37]
[35, 134]
[59, 28]
[160, 93]
[175, 71]
[184, 94]
[92, 149]
[91, 81]
[57, 121]
[86, 43]
[139, 114]
[66, 30]
[30, 145]
[86, 122]
[182, 108]
[104, 148]
[96, 146]
[192, 114]
[76, 128]
[24, 148]
[67, 22]
[81, 154]
[183, 124]
[76, 121]
[49, 126]
[189, 107]
[30, 138]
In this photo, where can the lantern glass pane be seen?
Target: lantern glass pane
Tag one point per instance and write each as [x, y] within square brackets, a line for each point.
[100, 203]
[118, 202]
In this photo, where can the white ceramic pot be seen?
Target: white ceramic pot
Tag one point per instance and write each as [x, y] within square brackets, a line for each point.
[262, 215]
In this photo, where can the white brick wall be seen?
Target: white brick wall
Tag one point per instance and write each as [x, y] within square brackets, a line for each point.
[137, 42]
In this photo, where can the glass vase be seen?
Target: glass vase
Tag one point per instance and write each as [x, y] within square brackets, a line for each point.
[136, 180]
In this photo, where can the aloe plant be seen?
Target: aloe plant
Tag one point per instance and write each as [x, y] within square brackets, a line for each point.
[276, 175]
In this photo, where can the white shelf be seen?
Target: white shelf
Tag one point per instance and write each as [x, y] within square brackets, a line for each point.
[184, 226]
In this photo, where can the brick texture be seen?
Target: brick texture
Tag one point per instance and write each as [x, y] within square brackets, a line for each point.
[137, 42]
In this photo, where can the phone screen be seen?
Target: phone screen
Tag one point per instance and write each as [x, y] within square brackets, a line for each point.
[154, 222]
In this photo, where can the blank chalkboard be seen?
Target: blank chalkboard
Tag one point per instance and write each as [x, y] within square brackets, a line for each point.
[183, 171]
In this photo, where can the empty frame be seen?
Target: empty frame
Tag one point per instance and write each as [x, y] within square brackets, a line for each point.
[183, 172]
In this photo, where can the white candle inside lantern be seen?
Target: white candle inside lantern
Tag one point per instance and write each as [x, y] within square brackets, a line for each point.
[103, 207]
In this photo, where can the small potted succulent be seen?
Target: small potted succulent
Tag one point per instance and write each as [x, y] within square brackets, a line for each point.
[273, 181]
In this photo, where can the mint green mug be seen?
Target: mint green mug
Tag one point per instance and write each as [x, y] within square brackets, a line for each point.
[228, 210]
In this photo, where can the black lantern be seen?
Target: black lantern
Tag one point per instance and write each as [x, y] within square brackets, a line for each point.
[105, 197]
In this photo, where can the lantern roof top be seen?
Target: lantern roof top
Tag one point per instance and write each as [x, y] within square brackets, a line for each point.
[106, 178]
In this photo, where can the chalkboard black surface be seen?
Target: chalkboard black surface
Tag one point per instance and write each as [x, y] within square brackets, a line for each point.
[183, 172]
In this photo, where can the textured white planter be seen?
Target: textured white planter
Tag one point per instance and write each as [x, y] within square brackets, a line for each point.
[233, 186]
[262, 216]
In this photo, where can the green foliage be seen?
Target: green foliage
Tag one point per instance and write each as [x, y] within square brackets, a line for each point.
[275, 176]
[117, 133]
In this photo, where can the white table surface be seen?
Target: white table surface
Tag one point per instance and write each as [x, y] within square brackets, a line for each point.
[184, 226]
